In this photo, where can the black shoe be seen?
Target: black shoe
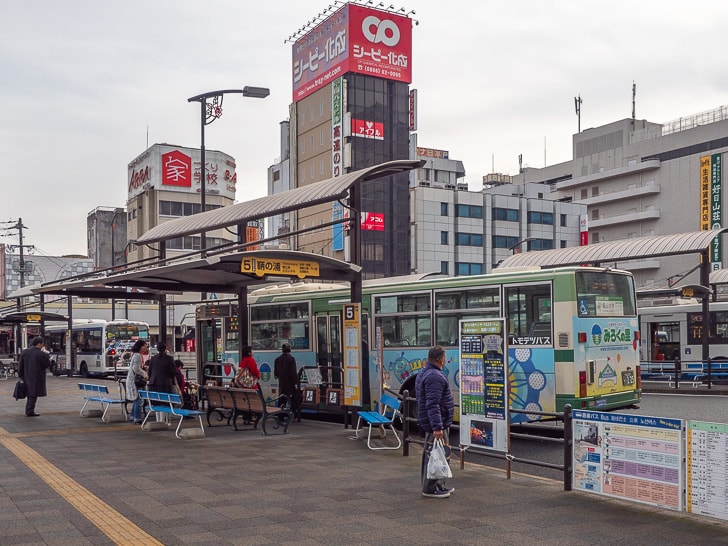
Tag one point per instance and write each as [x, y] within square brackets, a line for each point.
[32, 414]
[450, 490]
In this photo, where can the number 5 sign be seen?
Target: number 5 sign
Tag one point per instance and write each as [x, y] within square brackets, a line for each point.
[352, 354]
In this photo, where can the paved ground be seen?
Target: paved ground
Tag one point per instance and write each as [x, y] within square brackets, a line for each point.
[66, 479]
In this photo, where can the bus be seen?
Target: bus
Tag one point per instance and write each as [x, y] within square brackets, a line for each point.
[573, 333]
[672, 328]
[98, 347]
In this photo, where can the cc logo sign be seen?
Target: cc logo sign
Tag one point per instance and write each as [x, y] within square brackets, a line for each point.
[377, 31]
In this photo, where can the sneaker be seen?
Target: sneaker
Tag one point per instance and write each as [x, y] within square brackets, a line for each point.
[449, 490]
[438, 494]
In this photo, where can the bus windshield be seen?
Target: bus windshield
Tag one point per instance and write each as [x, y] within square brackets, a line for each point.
[126, 331]
[604, 294]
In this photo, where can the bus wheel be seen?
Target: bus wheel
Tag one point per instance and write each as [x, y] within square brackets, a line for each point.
[84, 370]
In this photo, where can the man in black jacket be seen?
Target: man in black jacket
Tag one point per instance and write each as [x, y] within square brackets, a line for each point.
[32, 370]
[436, 408]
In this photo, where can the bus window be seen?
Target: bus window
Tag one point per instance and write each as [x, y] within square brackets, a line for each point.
[405, 319]
[453, 306]
[273, 325]
[529, 314]
[604, 294]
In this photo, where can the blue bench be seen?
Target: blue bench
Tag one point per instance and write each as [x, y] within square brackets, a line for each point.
[389, 410]
[100, 394]
[168, 403]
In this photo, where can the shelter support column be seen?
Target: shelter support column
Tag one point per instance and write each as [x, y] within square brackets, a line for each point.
[705, 331]
[243, 321]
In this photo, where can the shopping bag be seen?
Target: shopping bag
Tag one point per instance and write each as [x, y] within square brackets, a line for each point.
[437, 466]
[21, 390]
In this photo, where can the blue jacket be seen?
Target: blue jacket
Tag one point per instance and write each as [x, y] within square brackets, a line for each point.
[435, 404]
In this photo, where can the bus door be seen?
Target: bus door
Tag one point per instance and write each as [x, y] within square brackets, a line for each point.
[328, 347]
[531, 363]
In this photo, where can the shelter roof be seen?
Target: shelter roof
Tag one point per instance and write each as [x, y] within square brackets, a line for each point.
[279, 203]
[626, 249]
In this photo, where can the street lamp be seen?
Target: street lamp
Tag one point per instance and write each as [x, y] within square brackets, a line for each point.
[209, 112]
[515, 248]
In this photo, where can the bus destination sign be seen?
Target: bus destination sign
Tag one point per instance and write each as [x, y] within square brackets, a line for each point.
[291, 268]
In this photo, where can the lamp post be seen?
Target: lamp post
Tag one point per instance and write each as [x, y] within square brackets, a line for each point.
[515, 248]
[209, 112]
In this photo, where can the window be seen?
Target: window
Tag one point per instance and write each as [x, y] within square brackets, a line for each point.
[563, 244]
[539, 217]
[584, 193]
[469, 239]
[451, 307]
[405, 319]
[604, 294]
[563, 220]
[469, 211]
[505, 215]
[443, 238]
[466, 268]
[444, 268]
[502, 241]
[443, 209]
[540, 244]
[595, 214]
[272, 325]
[528, 311]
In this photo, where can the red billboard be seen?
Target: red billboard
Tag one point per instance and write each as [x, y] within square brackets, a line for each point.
[372, 221]
[176, 169]
[353, 39]
[367, 129]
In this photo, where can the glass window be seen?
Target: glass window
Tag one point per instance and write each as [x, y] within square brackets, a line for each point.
[405, 319]
[469, 211]
[529, 314]
[443, 268]
[443, 209]
[604, 294]
[443, 238]
[451, 307]
[505, 215]
[272, 325]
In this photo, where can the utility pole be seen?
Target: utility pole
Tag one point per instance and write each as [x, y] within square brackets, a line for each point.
[22, 266]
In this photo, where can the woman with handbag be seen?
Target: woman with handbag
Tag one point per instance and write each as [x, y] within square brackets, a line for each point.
[136, 378]
[248, 373]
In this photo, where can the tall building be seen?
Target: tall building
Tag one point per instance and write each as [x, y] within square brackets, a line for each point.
[164, 184]
[350, 110]
[639, 178]
[106, 237]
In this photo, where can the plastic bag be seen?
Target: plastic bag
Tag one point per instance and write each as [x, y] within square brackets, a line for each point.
[437, 466]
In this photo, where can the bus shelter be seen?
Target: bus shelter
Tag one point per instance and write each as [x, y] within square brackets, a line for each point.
[695, 242]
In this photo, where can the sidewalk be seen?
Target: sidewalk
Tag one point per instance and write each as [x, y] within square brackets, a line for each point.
[312, 486]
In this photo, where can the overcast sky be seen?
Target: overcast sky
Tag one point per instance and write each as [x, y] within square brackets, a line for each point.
[87, 84]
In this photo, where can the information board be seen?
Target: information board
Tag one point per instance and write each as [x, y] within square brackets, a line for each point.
[632, 457]
[707, 469]
[484, 418]
[352, 354]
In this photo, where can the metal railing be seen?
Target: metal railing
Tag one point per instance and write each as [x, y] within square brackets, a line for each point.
[567, 440]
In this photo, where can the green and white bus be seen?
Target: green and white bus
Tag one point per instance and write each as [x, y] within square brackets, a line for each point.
[573, 332]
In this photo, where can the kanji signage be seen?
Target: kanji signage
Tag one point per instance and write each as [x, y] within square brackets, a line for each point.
[269, 266]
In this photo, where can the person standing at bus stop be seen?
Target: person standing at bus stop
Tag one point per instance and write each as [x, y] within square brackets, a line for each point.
[436, 408]
[32, 370]
[136, 379]
[162, 374]
[284, 370]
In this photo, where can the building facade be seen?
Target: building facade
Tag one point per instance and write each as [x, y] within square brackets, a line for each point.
[106, 237]
[164, 184]
[639, 178]
[458, 232]
[350, 110]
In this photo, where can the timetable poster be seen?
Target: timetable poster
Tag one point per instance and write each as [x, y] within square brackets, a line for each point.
[632, 457]
[483, 384]
[707, 466]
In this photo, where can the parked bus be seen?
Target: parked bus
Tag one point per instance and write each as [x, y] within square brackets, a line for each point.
[573, 332]
[98, 347]
[674, 329]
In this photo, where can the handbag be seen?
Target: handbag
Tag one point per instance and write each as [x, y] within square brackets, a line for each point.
[139, 381]
[244, 379]
[438, 467]
[21, 390]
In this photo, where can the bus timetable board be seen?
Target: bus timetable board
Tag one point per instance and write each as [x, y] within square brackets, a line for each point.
[484, 417]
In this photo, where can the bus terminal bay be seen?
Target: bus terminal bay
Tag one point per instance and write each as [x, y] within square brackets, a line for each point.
[74, 480]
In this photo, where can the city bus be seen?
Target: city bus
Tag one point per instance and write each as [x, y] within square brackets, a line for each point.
[98, 347]
[573, 333]
[672, 328]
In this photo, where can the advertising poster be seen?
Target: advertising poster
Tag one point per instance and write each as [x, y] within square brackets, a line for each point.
[632, 457]
[484, 419]
[707, 463]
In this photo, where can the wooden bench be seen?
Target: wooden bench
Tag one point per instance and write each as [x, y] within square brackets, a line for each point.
[168, 403]
[100, 394]
[389, 407]
[232, 403]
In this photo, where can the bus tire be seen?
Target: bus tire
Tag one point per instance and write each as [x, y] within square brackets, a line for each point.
[84, 370]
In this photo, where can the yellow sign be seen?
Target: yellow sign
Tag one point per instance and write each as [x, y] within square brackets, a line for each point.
[352, 354]
[32, 318]
[688, 293]
[704, 193]
[290, 268]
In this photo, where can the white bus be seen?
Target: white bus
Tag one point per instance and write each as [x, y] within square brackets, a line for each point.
[98, 347]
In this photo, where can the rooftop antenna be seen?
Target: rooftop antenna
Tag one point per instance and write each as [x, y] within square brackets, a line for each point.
[634, 95]
[520, 163]
[577, 105]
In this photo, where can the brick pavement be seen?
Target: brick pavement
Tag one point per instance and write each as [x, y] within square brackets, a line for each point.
[67, 479]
